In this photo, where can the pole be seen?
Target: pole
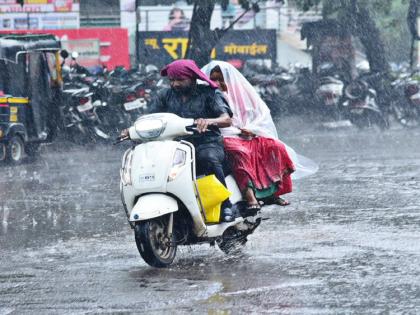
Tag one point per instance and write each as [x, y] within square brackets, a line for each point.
[137, 32]
[413, 47]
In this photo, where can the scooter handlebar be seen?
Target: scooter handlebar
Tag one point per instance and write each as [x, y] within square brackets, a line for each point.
[193, 128]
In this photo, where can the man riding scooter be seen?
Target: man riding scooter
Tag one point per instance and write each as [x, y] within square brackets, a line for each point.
[188, 100]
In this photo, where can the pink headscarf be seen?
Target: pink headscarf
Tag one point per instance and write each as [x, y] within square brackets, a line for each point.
[186, 69]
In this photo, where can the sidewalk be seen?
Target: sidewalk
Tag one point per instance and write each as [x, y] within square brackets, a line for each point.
[290, 51]
[293, 39]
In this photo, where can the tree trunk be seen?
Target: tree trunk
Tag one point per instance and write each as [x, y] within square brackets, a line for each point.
[371, 39]
[412, 26]
[363, 26]
[202, 39]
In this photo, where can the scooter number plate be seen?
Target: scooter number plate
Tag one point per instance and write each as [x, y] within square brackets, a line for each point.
[133, 105]
[147, 178]
[85, 107]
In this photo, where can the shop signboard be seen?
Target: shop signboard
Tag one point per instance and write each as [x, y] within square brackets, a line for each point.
[40, 6]
[163, 47]
[113, 44]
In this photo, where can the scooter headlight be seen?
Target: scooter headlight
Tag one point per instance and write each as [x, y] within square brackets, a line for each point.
[178, 163]
[148, 129]
[126, 168]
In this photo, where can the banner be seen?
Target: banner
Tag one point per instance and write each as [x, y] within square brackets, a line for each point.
[113, 44]
[161, 48]
[38, 6]
[40, 21]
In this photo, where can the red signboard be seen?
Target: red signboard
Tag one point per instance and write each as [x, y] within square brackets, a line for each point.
[113, 42]
[39, 6]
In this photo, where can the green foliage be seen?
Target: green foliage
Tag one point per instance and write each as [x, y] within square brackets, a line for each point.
[394, 30]
[331, 6]
[389, 16]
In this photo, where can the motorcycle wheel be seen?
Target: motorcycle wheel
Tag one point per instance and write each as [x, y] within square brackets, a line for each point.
[405, 115]
[232, 242]
[153, 244]
[368, 119]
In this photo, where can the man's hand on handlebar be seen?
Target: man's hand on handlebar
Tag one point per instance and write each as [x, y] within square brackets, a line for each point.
[202, 124]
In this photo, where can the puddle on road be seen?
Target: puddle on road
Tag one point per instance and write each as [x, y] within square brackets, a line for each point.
[349, 242]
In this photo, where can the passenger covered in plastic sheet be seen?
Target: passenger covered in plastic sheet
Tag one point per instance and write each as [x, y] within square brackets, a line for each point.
[262, 165]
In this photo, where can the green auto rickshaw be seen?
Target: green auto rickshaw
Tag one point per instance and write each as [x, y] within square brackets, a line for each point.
[30, 90]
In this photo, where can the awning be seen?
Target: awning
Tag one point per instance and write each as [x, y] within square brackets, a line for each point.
[11, 45]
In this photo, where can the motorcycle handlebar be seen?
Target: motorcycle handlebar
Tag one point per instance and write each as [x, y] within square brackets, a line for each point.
[121, 139]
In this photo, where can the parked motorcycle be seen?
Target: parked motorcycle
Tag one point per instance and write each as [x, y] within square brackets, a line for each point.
[329, 92]
[80, 121]
[111, 119]
[160, 195]
[296, 90]
[362, 107]
[406, 100]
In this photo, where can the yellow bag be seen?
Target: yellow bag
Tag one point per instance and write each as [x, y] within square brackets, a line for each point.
[212, 194]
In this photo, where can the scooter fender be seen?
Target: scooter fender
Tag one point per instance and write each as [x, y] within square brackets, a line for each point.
[152, 206]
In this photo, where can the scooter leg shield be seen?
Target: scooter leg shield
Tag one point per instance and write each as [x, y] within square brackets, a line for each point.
[152, 206]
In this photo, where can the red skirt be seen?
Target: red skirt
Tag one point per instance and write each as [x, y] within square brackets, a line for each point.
[260, 161]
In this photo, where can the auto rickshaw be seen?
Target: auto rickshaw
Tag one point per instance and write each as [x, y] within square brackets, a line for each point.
[30, 91]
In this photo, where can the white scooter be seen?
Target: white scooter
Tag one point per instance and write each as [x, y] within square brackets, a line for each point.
[160, 195]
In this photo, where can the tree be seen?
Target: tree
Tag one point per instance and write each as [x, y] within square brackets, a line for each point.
[355, 15]
[412, 14]
[394, 32]
[201, 38]
[360, 17]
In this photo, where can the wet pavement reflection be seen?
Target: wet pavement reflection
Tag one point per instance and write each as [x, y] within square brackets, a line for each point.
[348, 243]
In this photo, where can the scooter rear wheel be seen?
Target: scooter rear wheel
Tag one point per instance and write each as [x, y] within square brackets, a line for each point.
[232, 242]
[154, 245]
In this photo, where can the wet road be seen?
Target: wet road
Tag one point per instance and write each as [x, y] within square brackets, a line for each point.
[348, 244]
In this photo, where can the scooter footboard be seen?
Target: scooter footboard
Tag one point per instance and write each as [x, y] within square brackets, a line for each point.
[152, 206]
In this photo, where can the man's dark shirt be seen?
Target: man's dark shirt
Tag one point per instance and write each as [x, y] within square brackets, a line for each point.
[204, 102]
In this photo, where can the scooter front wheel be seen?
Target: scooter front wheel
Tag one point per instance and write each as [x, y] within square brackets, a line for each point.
[155, 246]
